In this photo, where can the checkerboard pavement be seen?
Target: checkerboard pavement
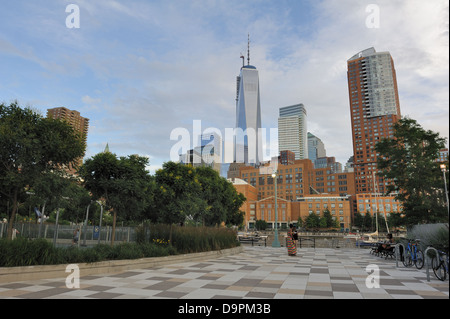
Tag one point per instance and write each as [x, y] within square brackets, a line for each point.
[256, 273]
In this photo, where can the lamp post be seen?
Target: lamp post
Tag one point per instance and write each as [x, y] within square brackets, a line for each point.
[276, 243]
[443, 168]
[100, 223]
[85, 225]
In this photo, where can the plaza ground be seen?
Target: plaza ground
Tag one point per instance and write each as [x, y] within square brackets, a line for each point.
[255, 273]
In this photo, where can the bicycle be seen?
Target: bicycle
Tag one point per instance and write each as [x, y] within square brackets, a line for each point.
[413, 254]
[439, 264]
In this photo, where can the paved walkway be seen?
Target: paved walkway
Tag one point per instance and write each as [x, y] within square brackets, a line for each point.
[258, 272]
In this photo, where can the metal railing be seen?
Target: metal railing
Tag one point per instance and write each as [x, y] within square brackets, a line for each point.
[63, 234]
[253, 240]
[306, 239]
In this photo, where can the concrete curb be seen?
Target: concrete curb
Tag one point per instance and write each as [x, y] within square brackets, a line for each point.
[19, 274]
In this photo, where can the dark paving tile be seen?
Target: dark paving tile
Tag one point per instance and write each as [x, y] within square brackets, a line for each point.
[186, 271]
[225, 270]
[171, 294]
[400, 292]
[201, 265]
[225, 297]
[45, 293]
[164, 285]
[126, 274]
[319, 270]
[247, 282]
[55, 284]
[256, 294]
[158, 278]
[344, 287]
[390, 282]
[97, 288]
[299, 274]
[209, 277]
[14, 286]
[215, 286]
[249, 268]
[319, 293]
[105, 295]
[269, 285]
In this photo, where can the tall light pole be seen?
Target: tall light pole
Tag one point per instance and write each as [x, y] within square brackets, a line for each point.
[443, 168]
[276, 243]
[100, 223]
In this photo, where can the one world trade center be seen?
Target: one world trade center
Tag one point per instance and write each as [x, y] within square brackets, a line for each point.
[248, 139]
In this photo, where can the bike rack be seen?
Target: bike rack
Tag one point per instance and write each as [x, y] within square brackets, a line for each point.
[428, 260]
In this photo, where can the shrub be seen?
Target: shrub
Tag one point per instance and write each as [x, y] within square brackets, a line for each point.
[163, 240]
[26, 252]
[435, 235]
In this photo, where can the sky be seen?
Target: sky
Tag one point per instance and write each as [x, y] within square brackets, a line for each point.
[141, 69]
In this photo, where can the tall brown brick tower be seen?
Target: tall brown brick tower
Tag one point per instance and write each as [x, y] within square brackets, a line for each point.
[374, 108]
[79, 123]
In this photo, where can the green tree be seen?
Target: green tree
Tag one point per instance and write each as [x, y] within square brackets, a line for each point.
[329, 222]
[322, 222]
[261, 224]
[212, 192]
[300, 222]
[395, 220]
[234, 202]
[77, 199]
[52, 190]
[358, 220]
[368, 222]
[223, 200]
[312, 221]
[31, 145]
[123, 183]
[177, 194]
[199, 194]
[409, 161]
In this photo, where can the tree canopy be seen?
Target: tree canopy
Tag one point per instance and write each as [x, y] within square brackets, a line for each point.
[30, 146]
[123, 183]
[409, 160]
[199, 194]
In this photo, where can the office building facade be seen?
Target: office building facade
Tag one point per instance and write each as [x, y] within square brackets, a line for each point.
[316, 148]
[292, 131]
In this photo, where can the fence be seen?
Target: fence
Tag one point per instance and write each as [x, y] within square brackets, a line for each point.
[63, 234]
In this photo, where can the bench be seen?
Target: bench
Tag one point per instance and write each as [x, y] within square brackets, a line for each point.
[382, 252]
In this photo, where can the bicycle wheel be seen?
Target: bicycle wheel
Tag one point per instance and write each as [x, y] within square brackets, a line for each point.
[438, 268]
[419, 259]
[407, 260]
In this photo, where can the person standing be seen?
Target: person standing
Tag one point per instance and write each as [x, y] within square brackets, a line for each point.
[292, 241]
[76, 235]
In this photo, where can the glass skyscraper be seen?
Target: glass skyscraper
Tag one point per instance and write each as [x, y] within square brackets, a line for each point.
[292, 131]
[248, 139]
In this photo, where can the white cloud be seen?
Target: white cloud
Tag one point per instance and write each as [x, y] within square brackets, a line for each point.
[139, 69]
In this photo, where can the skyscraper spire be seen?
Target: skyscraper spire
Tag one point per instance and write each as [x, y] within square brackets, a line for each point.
[248, 50]
[248, 138]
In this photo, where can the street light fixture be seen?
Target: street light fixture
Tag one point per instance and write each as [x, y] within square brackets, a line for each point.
[276, 242]
[443, 168]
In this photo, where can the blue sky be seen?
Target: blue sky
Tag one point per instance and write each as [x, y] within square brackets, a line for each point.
[139, 69]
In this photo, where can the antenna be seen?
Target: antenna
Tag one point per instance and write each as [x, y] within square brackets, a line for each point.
[248, 50]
